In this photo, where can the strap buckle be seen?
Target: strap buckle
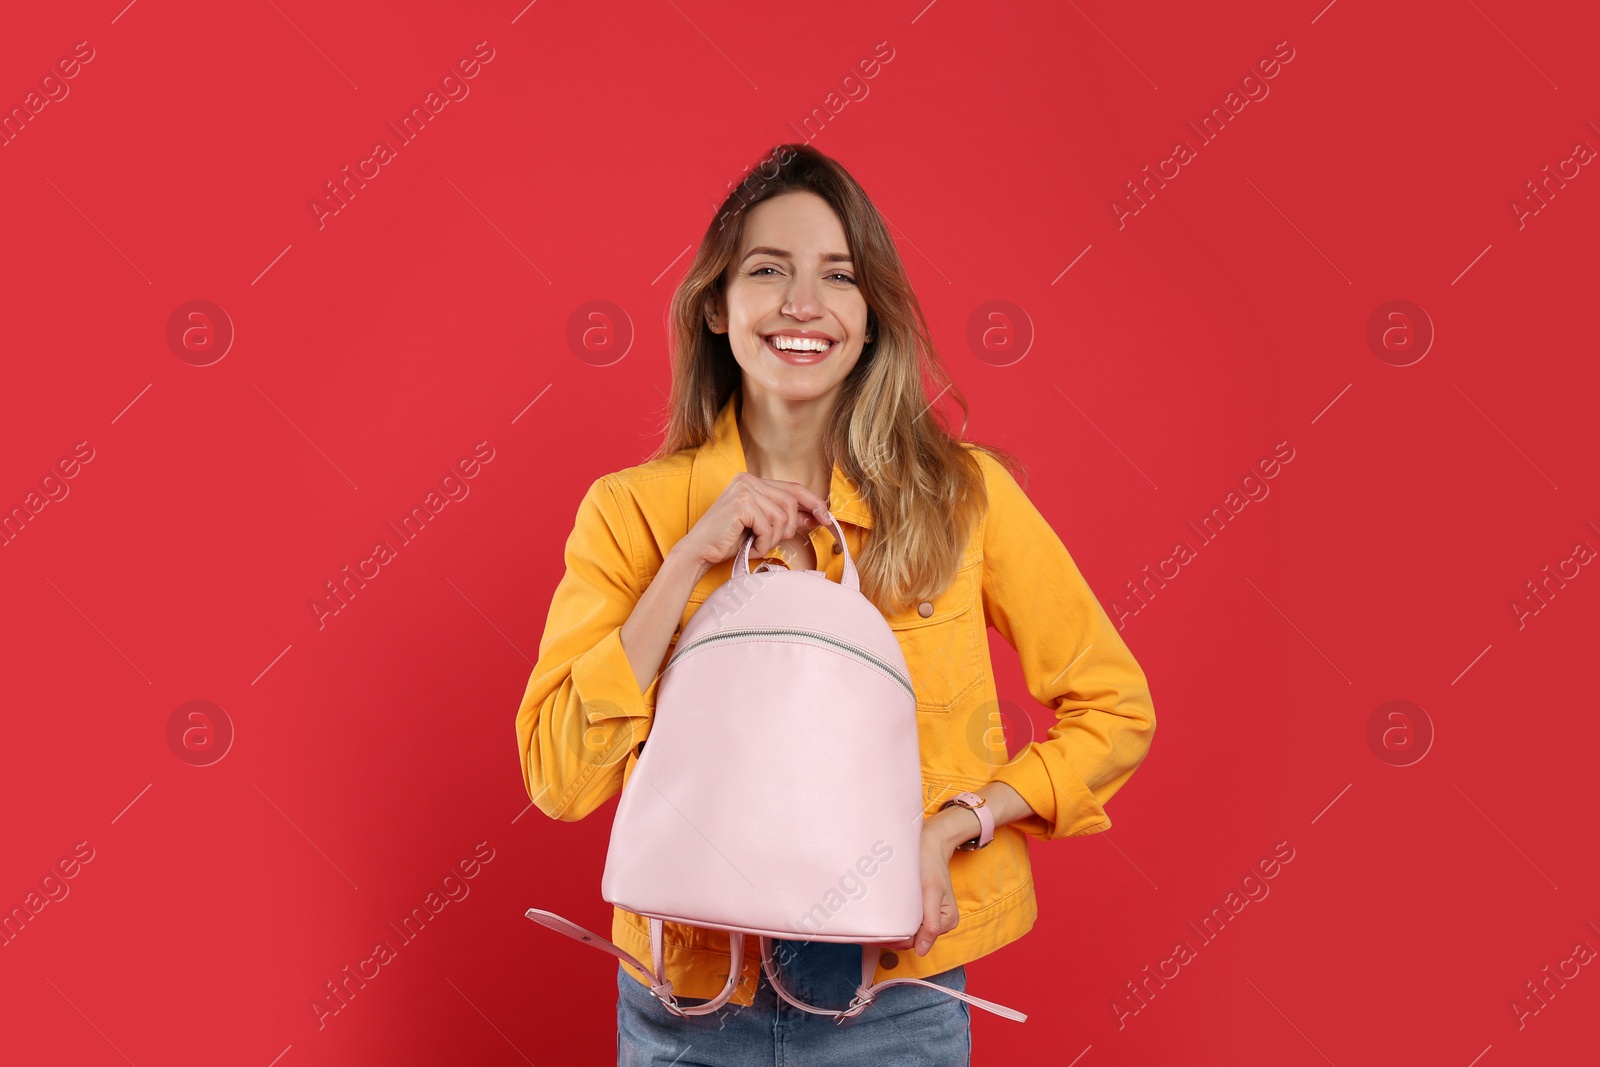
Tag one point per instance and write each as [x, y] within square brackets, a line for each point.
[664, 994]
[857, 1005]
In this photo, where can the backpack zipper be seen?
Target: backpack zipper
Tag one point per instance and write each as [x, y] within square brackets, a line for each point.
[852, 650]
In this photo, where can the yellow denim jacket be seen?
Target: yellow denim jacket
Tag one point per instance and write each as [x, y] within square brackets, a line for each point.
[583, 717]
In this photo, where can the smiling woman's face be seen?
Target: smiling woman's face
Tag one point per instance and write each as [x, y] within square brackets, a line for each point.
[787, 290]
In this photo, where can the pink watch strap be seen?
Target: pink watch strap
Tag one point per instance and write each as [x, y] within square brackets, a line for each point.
[974, 803]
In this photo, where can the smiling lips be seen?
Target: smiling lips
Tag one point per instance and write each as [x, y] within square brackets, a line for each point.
[801, 346]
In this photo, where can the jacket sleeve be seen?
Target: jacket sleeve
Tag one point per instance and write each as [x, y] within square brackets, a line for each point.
[583, 711]
[1073, 661]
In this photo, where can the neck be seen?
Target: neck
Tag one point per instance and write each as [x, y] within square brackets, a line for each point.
[782, 439]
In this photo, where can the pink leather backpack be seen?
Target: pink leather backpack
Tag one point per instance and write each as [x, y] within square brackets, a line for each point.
[779, 793]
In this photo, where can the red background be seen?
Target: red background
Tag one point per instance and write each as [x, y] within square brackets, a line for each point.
[372, 755]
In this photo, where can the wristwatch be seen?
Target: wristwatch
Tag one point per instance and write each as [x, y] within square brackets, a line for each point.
[985, 819]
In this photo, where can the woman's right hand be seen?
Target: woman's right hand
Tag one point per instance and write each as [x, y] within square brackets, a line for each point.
[775, 510]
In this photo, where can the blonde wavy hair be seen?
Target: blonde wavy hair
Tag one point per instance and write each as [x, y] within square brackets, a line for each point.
[921, 483]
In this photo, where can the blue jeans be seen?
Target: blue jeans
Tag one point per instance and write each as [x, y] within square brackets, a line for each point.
[907, 1025]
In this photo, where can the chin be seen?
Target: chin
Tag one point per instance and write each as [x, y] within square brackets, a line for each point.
[794, 382]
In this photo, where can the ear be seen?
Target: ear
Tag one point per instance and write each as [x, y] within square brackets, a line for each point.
[716, 315]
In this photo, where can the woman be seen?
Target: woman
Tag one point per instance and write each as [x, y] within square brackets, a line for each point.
[799, 354]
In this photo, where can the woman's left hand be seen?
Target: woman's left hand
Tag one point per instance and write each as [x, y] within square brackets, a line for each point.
[939, 913]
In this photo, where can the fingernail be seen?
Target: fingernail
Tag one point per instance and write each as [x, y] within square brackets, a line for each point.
[922, 947]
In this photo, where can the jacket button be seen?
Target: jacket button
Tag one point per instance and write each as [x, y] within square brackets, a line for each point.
[889, 961]
[925, 608]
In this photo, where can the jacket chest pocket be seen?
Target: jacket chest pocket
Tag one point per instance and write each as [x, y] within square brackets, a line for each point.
[939, 639]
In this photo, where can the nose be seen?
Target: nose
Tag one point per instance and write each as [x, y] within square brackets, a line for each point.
[804, 299]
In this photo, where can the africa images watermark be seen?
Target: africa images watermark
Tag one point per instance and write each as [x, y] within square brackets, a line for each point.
[339, 992]
[1538, 996]
[53, 89]
[52, 889]
[341, 591]
[1255, 90]
[1542, 190]
[454, 88]
[1255, 489]
[1551, 581]
[851, 886]
[52, 489]
[855, 90]
[1255, 890]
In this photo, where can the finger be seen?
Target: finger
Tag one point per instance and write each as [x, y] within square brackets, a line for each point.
[799, 497]
[769, 520]
[777, 528]
[787, 505]
[766, 535]
[807, 499]
[930, 919]
[789, 519]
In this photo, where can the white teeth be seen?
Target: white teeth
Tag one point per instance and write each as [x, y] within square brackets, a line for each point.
[800, 344]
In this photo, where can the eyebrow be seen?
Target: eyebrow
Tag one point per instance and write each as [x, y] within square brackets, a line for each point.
[766, 250]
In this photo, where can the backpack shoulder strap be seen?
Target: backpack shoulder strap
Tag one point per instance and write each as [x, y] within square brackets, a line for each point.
[866, 992]
[660, 985]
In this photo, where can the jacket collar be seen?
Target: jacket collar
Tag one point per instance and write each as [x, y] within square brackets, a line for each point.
[722, 456]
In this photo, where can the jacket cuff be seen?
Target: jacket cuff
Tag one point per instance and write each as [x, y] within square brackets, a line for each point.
[604, 677]
[1063, 806]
